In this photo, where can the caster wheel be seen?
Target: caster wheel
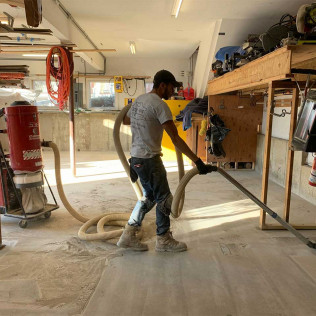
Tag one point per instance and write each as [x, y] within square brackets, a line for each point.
[47, 214]
[23, 223]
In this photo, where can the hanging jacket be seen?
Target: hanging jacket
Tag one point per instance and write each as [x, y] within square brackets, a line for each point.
[198, 105]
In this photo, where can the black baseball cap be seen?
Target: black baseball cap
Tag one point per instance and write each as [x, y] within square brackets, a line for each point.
[166, 76]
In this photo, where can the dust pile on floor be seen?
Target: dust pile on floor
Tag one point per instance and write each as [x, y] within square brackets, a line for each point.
[60, 276]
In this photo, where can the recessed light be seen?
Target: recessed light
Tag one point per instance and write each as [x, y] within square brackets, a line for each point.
[132, 47]
[176, 8]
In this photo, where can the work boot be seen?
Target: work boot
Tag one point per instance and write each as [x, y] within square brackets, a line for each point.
[166, 242]
[129, 240]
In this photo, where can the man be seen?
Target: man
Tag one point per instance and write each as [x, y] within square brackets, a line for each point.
[148, 117]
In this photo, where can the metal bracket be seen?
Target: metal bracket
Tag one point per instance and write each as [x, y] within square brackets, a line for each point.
[284, 112]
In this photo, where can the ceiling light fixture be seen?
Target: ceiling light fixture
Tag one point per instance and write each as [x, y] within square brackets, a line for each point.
[34, 55]
[176, 8]
[132, 47]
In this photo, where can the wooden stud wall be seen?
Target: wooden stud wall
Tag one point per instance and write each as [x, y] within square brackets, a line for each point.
[290, 155]
[266, 160]
[265, 73]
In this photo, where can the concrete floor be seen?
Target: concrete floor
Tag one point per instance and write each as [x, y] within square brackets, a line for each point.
[231, 267]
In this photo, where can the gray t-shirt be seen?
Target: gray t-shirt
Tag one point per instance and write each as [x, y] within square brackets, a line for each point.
[147, 114]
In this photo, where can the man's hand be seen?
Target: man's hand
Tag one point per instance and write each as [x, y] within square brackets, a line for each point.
[201, 166]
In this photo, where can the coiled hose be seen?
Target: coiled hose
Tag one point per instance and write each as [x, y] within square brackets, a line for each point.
[112, 219]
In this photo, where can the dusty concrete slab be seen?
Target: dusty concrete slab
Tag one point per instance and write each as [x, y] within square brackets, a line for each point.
[231, 267]
[22, 291]
[223, 273]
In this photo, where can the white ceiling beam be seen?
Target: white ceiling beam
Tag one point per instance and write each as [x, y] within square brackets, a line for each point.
[205, 58]
[65, 30]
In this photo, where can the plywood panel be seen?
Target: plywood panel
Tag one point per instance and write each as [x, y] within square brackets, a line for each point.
[302, 53]
[196, 142]
[242, 118]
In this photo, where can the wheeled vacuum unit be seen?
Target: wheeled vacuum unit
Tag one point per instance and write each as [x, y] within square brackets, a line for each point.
[22, 178]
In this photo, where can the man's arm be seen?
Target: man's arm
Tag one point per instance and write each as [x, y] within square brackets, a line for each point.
[126, 120]
[172, 131]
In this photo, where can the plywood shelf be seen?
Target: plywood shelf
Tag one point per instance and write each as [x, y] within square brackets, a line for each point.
[271, 67]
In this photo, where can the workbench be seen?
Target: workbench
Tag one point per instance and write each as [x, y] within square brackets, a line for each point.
[268, 75]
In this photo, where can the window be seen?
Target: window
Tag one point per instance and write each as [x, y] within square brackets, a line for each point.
[149, 86]
[41, 95]
[102, 95]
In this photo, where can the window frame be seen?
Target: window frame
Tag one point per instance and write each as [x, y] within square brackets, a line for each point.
[88, 96]
[52, 107]
[149, 83]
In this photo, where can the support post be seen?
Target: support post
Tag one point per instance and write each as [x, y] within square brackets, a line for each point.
[266, 160]
[72, 140]
[1, 245]
[290, 156]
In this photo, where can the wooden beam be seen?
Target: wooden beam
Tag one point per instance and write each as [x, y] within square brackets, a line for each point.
[284, 84]
[290, 155]
[16, 3]
[110, 77]
[26, 46]
[96, 76]
[302, 53]
[111, 50]
[221, 88]
[266, 159]
[1, 245]
[282, 103]
[72, 139]
[41, 51]
[278, 85]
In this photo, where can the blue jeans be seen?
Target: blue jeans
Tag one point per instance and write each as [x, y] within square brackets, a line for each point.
[153, 177]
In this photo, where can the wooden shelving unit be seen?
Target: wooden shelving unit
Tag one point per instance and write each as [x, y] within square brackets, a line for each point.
[271, 73]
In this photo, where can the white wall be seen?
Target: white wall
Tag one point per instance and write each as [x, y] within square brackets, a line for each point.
[134, 66]
[281, 125]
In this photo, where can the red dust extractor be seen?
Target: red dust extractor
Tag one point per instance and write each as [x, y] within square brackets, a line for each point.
[21, 191]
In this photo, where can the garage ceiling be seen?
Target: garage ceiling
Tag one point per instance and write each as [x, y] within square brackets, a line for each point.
[112, 24]
[149, 23]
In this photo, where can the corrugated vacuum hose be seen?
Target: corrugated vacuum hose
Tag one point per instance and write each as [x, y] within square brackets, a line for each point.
[111, 219]
[193, 172]
[136, 185]
[119, 219]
